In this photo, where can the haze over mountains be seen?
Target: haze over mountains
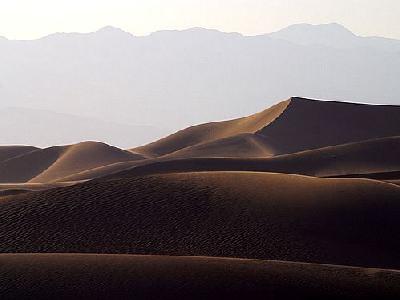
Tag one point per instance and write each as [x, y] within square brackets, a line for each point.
[173, 79]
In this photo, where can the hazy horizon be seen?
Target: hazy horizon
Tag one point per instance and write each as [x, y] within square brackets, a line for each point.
[170, 80]
[251, 17]
[113, 27]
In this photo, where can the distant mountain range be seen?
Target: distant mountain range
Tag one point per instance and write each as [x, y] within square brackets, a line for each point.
[173, 79]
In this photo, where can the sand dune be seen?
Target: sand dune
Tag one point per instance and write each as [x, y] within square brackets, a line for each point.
[204, 193]
[271, 133]
[376, 159]
[242, 145]
[84, 156]
[45, 165]
[229, 214]
[8, 152]
[309, 124]
[163, 277]
[7, 189]
[290, 126]
[24, 168]
[212, 131]
[102, 171]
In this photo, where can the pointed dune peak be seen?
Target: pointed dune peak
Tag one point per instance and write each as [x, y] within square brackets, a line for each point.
[311, 124]
[290, 126]
[209, 132]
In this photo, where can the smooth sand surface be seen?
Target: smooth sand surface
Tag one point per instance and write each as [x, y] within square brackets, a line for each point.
[8, 152]
[320, 138]
[290, 126]
[311, 124]
[364, 159]
[78, 276]
[208, 192]
[246, 145]
[212, 131]
[230, 214]
[47, 165]
[103, 170]
[377, 159]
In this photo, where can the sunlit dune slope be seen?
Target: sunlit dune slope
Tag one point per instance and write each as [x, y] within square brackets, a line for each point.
[377, 158]
[45, 165]
[212, 131]
[290, 126]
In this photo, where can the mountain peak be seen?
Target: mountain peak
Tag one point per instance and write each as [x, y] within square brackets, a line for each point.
[111, 30]
[333, 35]
[326, 28]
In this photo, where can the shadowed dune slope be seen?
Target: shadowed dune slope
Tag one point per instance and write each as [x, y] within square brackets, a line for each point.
[310, 124]
[212, 131]
[291, 126]
[225, 214]
[378, 159]
[163, 277]
[45, 165]
[24, 168]
[8, 152]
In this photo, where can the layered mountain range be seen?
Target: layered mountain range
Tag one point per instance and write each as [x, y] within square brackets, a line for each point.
[169, 80]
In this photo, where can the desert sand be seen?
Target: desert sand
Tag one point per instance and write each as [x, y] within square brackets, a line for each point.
[298, 201]
[376, 159]
[233, 214]
[290, 126]
[164, 277]
[46, 165]
[8, 152]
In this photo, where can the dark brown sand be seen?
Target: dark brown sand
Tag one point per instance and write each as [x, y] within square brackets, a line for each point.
[229, 214]
[77, 276]
[375, 159]
[208, 192]
[8, 152]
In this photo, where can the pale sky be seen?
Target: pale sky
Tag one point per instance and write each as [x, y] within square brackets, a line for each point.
[30, 19]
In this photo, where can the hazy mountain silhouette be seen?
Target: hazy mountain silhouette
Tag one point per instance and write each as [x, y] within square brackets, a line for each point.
[172, 79]
[333, 35]
[46, 128]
